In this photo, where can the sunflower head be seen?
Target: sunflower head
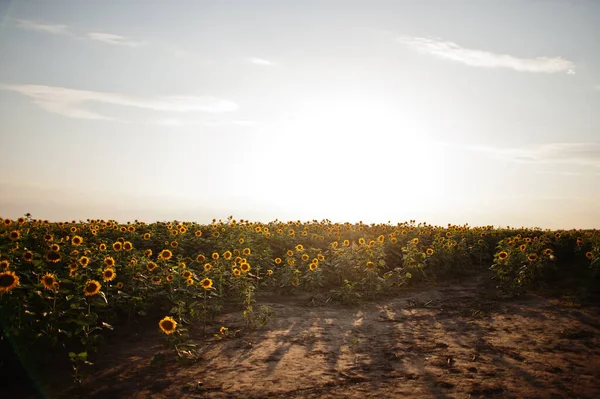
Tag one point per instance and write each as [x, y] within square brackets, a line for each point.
[91, 287]
[200, 258]
[109, 274]
[269, 272]
[277, 261]
[167, 325]
[147, 236]
[48, 280]
[237, 272]
[190, 281]
[109, 261]
[156, 280]
[320, 257]
[589, 255]
[223, 330]
[246, 251]
[227, 255]
[186, 274]
[120, 285]
[502, 255]
[165, 254]
[28, 256]
[313, 266]
[53, 257]
[305, 257]
[215, 255]
[14, 235]
[102, 247]
[76, 241]
[429, 251]
[206, 283]
[169, 278]
[117, 246]
[8, 281]
[299, 247]
[415, 240]
[4, 265]
[207, 267]
[127, 246]
[245, 267]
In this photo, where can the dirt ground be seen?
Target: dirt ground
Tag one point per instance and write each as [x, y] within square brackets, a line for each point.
[450, 341]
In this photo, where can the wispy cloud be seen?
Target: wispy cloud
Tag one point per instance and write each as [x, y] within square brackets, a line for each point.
[69, 102]
[60, 29]
[179, 122]
[486, 59]
[261, 61]
[586, 154]
[113, 39]
[55, 29]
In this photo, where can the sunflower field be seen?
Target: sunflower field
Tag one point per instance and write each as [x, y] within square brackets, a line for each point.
[65, 286]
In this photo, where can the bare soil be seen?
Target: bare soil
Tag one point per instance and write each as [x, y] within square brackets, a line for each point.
[456, 340]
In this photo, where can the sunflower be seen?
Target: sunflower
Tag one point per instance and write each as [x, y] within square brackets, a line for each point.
[346, 243]
[532, 257]
[167, 325]
[133, 262]
[206, 283]
[381, 238]
[156, 280]
[227, 255]
[48, 280]
[148, 253]
[429, 251]
[4, 265]
[415, 240]
[102, 247]
[522, 247]
[14, 235]
[147, 236]
[127, 246]
[215, 234]
[207, 267]
[190, 281]
[502, 255]
[84, 261]
[109, 274]
[313, 266]
[200, 258]
[7, 222]
[305, 257]
[77, 241]
[589, 255]
[236, 272]
[198, 233]
[277, 261]
[55, 247]
[245, 267]
[28, 256]
[165, 254]
[547, 252]
[241, 241]
[186, 274]
[557, 236]
[246, 251]
[120, 285]
[223, 330]
[299, 247]
[91, 287]
[370, 266]
[334, 245]
[151, 266]
[290, 252]
[109, 261]
[215, 255]
[320, 257]
[117, 246]
[8, 281]
[174, 244]
[48, 237]
[269, 272]
[53, 257]
[169, 278]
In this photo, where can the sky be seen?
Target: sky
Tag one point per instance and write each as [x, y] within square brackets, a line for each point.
[478, 112]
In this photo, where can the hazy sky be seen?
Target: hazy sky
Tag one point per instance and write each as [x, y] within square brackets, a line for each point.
[479, 112]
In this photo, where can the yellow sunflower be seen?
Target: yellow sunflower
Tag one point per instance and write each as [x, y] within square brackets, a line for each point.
[109, 261]
[174, 244]
[532, 257]
[28, 256]
[236, 272]
[147, 236]
[223, 330]
[169, 277]
[246, 251]
[186, 274]
[53, 257]
[502, 255]
[91, 287]
[313, 266]
[269, 272]
[415, 240]
[84, 261]
[165, 254]
[156, 280]
[227, 255]
[429, 251]
[151, 266]
[55, 247]
[589, 255]
[120, 285]
[14, 235]
[4, 265]
[207, 267]
[320, 257]
[8, 281]
[76, 241]
[109, 274]
[190, 281]
[48, 280]
[102, 247]
[299, 247]
[206, 283]
[305, 257]
[167, 325]
[277, 261]
[127, 246]
[290, 252]
[245, 267]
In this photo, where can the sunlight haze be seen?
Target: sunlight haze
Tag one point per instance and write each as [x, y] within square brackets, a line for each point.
[485, 113]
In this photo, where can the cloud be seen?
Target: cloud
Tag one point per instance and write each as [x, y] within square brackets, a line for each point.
[60, 29]
[68, 102]
[585, 154]
[113, 39]
[486, 59]
[261, 61]
[55, 29]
